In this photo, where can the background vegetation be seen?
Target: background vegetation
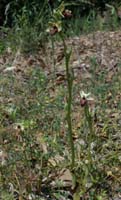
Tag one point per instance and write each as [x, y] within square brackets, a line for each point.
[28, 20]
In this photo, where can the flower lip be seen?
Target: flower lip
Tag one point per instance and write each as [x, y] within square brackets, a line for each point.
[67, 13]
[83, 101]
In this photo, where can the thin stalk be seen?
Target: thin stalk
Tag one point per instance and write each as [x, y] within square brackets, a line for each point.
[69, 75]
[89, 120]
[90, 125]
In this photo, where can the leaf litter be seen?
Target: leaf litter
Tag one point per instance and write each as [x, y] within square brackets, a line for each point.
[96, 63]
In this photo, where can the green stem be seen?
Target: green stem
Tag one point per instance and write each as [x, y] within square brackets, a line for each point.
[89, 120]
[91, 134]
[69, 75]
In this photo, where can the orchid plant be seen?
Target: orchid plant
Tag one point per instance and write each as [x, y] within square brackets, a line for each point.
[55, 27]
[86, 101]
